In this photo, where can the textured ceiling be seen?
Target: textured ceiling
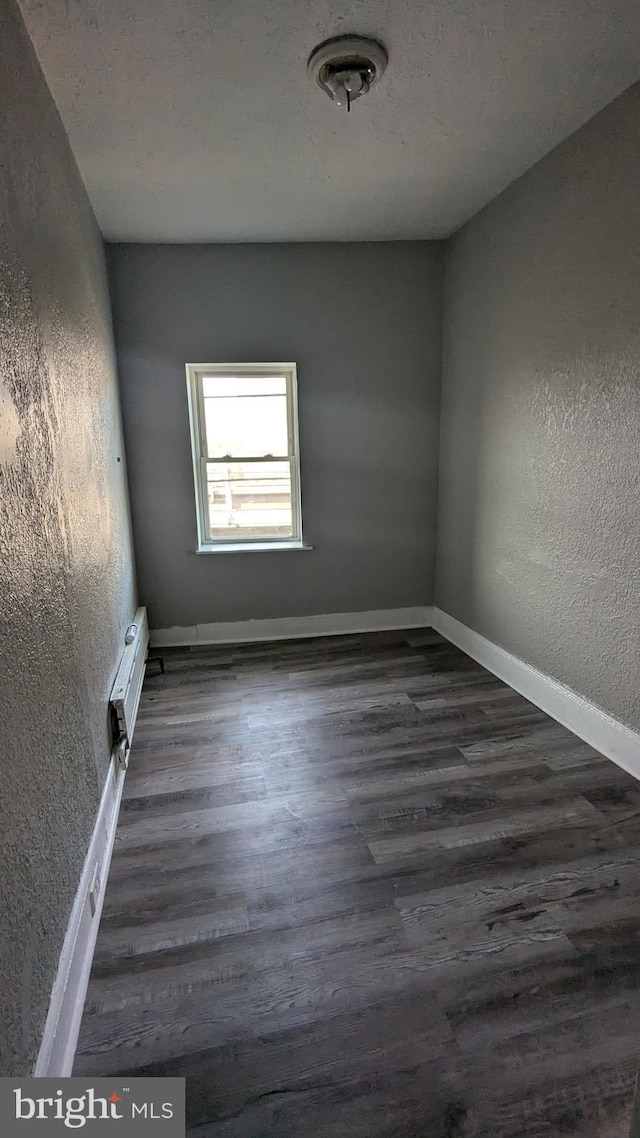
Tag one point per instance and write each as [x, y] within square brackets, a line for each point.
[194, 120]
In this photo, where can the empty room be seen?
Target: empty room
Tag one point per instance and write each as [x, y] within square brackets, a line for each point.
[319, 586]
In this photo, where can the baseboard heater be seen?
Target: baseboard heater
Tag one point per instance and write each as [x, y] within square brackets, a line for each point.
[69, 991]
[127, 687]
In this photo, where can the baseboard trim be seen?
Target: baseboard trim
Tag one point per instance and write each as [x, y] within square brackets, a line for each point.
[62, 1027]
[584, 719]
[292, 627]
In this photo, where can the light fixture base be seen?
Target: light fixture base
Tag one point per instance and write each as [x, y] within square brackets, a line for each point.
[346, 67]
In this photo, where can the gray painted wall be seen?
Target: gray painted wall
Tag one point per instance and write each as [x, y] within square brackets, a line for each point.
[538, 529]
[66, 577]
[363, 323]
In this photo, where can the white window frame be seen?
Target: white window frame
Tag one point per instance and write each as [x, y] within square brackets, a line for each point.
[195, 375]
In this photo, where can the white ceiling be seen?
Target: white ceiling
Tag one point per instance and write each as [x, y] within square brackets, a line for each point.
[194, 120]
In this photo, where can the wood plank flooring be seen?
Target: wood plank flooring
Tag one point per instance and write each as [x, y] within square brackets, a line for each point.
[360, 887]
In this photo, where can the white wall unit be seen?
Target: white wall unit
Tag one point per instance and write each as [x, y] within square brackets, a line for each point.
[60, 1037]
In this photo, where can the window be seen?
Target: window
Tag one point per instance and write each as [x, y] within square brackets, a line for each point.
[244, 437]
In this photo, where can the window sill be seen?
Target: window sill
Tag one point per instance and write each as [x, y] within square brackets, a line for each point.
[256, 547]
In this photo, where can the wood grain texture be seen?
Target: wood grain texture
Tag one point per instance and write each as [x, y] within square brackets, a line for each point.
[361, 887]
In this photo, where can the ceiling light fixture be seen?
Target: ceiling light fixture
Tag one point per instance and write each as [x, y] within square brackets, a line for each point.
[346, 67]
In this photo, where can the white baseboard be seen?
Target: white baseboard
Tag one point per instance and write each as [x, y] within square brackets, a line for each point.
[596, 727]
[57, 1050]
[61, 1030]
[292, 627]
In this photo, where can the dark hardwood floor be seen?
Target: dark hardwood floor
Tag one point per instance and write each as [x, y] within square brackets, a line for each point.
[361, 887]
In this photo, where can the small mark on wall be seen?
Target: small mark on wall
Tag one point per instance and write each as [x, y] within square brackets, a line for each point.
[9, 426]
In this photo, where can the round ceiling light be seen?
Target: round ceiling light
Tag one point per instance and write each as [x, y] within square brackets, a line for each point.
[346, 67]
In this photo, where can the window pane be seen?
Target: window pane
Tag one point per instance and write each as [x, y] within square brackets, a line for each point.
[249, 500]
[224, 386]
[246, 426]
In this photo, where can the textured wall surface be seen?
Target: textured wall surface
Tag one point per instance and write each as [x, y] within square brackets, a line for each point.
[363, 324]
[538, 527]
[66, 577]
